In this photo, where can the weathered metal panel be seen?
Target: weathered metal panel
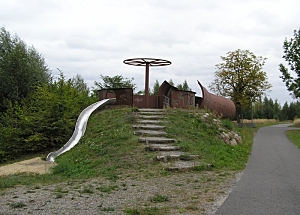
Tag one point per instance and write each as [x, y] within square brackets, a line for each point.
[218, 104]
[139, 101]
[183, 99]
[102, 94]
[153, 101]
[124, 96]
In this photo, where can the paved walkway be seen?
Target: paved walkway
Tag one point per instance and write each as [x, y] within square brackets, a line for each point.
[271, 181]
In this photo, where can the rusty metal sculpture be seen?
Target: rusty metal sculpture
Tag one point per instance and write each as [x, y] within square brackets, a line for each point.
[173, 97]
[147, 62]
[124, 96]
[218, 104]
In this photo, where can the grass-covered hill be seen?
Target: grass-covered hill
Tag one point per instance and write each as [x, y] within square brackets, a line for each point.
[110, 149]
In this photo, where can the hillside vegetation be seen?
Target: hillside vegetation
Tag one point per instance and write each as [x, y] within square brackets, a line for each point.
[110, 149]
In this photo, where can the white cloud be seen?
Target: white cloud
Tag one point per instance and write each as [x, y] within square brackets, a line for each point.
[94, 37]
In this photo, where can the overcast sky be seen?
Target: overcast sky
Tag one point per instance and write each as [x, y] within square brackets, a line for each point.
[93, 37]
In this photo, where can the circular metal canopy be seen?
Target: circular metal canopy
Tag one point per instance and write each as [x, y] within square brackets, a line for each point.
[147, 61]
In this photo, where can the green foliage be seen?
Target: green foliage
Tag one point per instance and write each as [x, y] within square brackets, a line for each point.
[117, 81]
[240, 77]
[146, 211]
[44, 120]
[292, 56]
[159, 198]
[17, 205]
[22, 68]
[270, 109]
[155, 88]
[228, 124]
[184, 86]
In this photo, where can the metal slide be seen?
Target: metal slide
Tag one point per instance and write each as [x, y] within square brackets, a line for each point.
[80, 128]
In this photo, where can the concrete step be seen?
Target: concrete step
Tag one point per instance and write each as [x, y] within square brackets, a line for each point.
[149, 127]
[176, 156]
[152, 113]
[151, 110]
[161, 147]
[151, 117]
[149, 121]
[150, 133]
[181, 165]
[156, 140]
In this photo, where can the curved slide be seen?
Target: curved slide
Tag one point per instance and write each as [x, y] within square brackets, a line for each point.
[80, 128]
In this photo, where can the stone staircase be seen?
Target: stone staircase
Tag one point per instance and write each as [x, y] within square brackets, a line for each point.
[150, 126]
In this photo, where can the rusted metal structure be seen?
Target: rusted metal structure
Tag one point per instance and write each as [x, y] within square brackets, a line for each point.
[124, 96]
[217, 104]
[173, 97]
[147, 62]
[168, 95]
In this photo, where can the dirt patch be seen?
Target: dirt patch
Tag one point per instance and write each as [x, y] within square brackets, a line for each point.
[34, 165]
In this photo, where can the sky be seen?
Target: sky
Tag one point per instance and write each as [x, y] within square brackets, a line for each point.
[94, 37]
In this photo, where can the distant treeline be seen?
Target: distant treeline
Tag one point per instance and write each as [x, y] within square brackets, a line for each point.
[271, 109]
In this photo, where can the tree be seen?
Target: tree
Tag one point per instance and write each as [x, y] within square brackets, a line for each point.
[155, 88]
[284, 111]
[22, 69]
[292, 56]
[79, 84]
[269, 111]
[184, 86]
[117, 81]
[44, 119]
[241, 78]
[171, 82]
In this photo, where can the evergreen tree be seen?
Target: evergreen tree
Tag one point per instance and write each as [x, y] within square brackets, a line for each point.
[155, 88]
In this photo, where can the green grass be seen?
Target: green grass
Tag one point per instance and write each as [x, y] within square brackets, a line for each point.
[294, 137]
[17, 205]
[110, 150]
[201, 137]
[146, 211]
[159, 198]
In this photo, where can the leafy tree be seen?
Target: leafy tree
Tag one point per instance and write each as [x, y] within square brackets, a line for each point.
[241, 78]
[22, 68]
[117, 81]
[79, 84]
[292, 56]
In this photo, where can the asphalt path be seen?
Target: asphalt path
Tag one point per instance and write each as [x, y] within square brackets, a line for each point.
[270, 183]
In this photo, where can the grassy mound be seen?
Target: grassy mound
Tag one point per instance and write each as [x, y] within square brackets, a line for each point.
[109, 148]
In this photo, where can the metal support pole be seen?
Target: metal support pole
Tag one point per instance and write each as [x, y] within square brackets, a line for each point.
[147, 86]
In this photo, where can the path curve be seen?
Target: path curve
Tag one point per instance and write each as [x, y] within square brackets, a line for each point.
[271, 181]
